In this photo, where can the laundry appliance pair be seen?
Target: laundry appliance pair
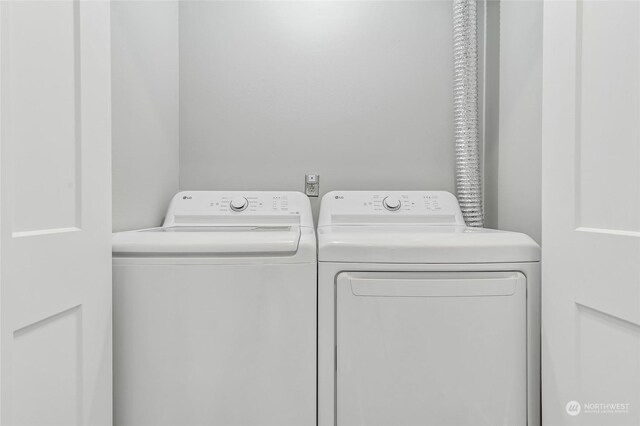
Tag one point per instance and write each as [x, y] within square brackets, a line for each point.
[231, 314]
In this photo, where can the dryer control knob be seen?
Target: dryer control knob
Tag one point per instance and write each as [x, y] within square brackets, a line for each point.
[392, 203]
[238, 204]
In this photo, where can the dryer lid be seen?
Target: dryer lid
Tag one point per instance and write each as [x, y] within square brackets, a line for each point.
[410, 227]
[423, 244]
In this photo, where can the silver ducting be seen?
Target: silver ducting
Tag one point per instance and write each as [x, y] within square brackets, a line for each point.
[465, 102]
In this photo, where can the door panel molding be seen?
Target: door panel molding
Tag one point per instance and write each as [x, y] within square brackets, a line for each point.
[42, 109]
[56, 398]
[605, 150]
[594, 310]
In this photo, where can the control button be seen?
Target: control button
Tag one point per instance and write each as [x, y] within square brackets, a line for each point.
[391, 203]
[238, 204]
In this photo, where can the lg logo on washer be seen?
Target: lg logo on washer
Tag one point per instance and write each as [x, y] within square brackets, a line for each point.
[339, 197]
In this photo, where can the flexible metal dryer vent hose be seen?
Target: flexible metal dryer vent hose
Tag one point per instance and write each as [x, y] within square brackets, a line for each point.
[465, 104]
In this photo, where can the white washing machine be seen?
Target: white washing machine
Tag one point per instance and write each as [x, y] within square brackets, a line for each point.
[421, 320]
[214, 313]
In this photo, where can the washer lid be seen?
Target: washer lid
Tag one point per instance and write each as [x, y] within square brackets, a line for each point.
[227, 223]
[208, 240]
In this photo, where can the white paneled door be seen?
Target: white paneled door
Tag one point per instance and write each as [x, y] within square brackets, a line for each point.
[55, 213]
[591, 213]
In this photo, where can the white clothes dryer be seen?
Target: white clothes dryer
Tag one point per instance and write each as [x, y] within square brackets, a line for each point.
[422, 320]
[215, 313]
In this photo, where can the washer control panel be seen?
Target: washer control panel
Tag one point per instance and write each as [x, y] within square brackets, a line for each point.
[208, 208]
[389, 207]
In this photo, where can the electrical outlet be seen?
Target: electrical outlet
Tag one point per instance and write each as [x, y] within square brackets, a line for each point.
[312, 185]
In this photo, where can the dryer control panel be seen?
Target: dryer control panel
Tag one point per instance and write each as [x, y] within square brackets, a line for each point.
[390, 207]
[214, 208]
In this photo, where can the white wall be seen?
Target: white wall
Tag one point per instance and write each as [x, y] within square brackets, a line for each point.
[145, 111]
[359, 92]
[514, 124]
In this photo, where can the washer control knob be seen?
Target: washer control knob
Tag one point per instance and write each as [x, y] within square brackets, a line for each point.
[238, 204]
[392, 203]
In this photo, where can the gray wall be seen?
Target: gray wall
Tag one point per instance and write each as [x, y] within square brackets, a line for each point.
[359, 92]
[514, 118]
[145, 111]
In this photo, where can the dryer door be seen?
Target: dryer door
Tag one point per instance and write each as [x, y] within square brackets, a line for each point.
[431, 348]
